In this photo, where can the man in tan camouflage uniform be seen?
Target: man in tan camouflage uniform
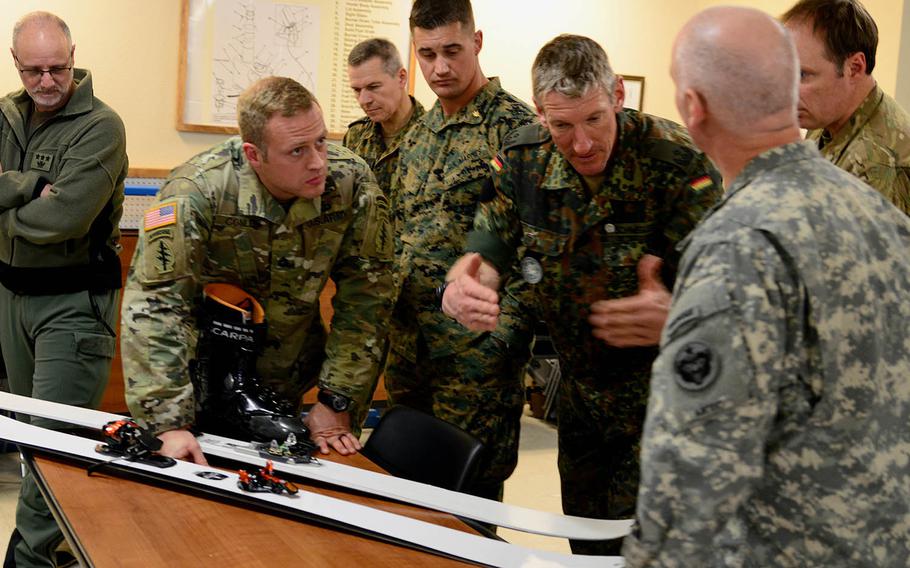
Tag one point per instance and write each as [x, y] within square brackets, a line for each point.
[777, 426]
[380, 83]
[593, 199]
[276, 211]
[473, 380]
[856, 126]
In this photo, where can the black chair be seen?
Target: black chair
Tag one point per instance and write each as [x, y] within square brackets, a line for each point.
[417, 446]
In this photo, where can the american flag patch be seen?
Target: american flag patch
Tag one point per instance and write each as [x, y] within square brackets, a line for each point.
[165, 214]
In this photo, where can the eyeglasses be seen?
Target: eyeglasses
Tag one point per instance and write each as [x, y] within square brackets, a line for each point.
[34, 73]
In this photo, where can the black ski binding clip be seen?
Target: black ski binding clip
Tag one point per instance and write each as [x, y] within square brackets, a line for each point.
[126, 439]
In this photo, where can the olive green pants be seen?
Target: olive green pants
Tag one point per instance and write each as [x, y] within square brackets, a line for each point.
[55, 348]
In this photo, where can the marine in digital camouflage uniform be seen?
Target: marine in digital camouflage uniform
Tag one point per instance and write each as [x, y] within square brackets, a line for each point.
[364, 137]
[776, 432]
[874, 146]
[227, 227]
[472, 380]
[577, 245]
[855, 125]
[379, 82]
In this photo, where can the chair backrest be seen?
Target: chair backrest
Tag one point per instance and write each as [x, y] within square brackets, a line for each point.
[417, 446]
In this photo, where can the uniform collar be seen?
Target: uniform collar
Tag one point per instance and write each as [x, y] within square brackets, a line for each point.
[17, 106]
[857, 121]
[254, 199]
[374, 133]
[560, 172]
[472, 113]
[770, 160]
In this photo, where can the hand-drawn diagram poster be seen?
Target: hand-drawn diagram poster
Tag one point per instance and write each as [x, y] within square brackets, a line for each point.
[229, 44]
[257, 39]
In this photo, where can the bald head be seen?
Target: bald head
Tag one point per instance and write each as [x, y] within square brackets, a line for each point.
[744, 65]
[41, 23]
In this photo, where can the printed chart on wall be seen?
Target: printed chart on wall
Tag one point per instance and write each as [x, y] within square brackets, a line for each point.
[226, 45]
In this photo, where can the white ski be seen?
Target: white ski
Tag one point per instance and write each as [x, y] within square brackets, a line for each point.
[427, 496]
[448, 541]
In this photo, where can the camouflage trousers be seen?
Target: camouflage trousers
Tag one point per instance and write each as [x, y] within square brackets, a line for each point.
[480, 390]
[600, 430]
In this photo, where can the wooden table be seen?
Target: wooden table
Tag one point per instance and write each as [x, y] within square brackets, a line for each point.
[112, 521]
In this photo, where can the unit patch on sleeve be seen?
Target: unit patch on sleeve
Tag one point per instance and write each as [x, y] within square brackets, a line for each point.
[378, 238]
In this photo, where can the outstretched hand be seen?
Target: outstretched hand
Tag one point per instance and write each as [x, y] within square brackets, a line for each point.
[470, 297]
[634, 321]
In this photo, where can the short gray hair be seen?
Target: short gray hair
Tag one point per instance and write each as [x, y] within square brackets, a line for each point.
[377, 47]
[44, 18]
[571, 65]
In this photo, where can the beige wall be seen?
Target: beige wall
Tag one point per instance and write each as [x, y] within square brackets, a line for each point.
[131, 47]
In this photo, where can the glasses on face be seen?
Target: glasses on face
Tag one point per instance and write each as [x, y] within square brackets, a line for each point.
[35, 74]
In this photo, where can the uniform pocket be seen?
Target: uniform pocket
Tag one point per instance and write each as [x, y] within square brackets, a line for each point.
[95, 344]
[542, 241]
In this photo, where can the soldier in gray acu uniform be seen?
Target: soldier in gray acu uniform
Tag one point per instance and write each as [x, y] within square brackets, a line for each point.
[276, 213]
[776, 432]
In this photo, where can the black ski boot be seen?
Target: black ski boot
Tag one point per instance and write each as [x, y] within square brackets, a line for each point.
[231, 401]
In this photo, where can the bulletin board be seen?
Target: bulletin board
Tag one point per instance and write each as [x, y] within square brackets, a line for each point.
[226, 45]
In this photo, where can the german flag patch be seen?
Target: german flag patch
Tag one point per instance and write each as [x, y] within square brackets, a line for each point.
[161, 216]
[701, 183]
[496, 163]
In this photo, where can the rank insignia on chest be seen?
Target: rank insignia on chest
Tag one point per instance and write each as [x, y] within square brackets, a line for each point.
[531, 270]
[696, 366]
[160, 216]
[42, 161]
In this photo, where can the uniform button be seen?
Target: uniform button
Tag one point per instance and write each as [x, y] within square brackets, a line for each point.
[610, 228]
[284, 263]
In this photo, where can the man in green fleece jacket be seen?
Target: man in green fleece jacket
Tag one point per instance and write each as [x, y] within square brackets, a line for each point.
[63, 159]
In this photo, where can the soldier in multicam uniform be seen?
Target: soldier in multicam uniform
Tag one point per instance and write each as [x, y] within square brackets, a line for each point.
[777, 431]
[593, 200]
[472, 380]
[380, 83]
[856, 125]
[276, 211]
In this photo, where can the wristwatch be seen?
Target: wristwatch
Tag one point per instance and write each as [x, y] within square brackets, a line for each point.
[335, 401]
[440, 291]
